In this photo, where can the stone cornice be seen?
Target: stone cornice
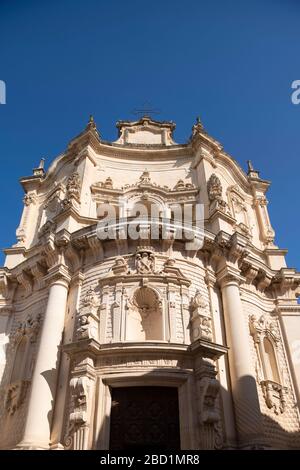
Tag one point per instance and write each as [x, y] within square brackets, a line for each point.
[197, 348]
[233, 249]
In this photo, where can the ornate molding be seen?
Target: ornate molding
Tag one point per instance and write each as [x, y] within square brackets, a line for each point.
[79, 418]
[260, 326]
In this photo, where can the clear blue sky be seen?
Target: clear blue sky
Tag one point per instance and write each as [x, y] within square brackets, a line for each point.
[230, 61]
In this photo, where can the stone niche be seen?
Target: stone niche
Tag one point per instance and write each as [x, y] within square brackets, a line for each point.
[144, 316]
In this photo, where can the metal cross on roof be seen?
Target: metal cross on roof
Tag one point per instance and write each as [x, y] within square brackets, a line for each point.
[145, 110]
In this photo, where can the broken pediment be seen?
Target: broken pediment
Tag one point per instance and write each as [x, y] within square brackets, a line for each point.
[146, 131]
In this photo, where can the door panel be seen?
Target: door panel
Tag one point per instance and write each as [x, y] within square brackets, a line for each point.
[144, 418]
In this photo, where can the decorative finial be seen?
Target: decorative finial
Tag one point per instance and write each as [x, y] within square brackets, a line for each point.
[252, 173]
[250, 166]
[40, 171]
[91, 125]
[197, 127]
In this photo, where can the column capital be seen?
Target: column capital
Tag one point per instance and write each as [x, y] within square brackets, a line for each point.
[210, 277]
[229, 275]
[77, 279]
[58, 275]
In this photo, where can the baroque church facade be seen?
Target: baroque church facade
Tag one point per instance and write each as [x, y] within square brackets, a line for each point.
[133, 342]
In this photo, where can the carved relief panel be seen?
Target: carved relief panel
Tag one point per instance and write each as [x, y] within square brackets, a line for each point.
[266, 337]
[238, 207]
[21, 340]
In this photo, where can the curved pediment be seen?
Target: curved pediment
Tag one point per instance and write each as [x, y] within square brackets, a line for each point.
[145, 132]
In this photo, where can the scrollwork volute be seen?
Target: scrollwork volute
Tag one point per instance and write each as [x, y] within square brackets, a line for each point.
[79, 418]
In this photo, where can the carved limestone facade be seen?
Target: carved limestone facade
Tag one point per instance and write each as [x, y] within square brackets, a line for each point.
[99, 299]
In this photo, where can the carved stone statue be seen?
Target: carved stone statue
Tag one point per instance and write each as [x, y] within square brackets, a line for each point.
[201, 327]
[88, 320]
[214, 188]
[72, 189]
[145, 178]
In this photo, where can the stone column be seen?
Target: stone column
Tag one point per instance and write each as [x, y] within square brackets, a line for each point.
[244, 389]
[44, 380]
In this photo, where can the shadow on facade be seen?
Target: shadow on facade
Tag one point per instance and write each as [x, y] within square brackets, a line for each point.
[202, 421]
